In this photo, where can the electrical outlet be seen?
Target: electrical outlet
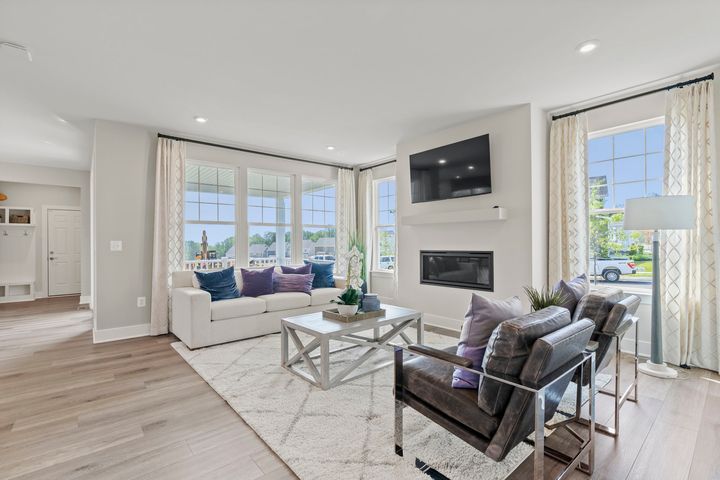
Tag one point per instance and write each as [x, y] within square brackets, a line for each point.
[141, 301]
[116, 245]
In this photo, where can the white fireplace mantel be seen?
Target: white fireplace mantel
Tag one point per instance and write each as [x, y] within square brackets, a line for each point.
[456, 216]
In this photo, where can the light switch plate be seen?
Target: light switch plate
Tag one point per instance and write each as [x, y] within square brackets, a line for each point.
[116, 245]
[141, 301]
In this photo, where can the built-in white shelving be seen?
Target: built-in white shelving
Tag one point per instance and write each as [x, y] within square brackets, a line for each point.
[17, 254]
[457, 216]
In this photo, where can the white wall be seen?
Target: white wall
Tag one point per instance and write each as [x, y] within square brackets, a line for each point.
[61, 177]
[37, 196]
[511, 152]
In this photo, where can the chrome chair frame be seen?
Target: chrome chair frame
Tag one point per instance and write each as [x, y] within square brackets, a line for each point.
[619, 398]
[538, 390]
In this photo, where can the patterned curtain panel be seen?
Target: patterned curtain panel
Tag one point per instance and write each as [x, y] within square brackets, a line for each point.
[689, 258]
[365, 214]
[168, 232]
[568, 215]
[345, 217]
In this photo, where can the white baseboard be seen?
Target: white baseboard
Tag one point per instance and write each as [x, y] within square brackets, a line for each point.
[121, 333]
[628, 346]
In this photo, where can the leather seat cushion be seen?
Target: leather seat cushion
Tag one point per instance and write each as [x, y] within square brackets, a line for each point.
[321, 296]
[430, 381]
[285, 301]
[236, 307]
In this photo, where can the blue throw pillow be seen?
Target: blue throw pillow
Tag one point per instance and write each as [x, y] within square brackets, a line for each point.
[220, 285]
[323, 274]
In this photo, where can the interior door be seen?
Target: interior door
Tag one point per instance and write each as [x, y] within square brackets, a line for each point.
[64, 237]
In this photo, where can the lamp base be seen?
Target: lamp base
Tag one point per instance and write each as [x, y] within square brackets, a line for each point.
[659, 370]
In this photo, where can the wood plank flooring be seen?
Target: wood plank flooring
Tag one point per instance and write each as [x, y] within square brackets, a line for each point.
[134, 409]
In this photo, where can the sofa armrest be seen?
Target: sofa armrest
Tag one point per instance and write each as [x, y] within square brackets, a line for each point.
[340, 282]
[441, 355]
[191, 316]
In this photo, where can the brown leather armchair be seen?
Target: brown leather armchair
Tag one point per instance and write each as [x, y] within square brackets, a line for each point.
[527, 367]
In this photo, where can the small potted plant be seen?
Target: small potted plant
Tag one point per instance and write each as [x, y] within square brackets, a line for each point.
[348, 302]
[544, 297]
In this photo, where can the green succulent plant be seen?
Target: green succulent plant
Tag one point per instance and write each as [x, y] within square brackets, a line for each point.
[348, 297]
[544, 297]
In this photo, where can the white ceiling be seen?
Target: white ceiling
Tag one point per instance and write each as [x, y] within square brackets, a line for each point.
[295, 76]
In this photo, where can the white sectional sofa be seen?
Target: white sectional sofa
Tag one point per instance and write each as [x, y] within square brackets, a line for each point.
[198, 322]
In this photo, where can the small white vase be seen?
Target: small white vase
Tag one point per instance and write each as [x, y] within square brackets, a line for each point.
[347, 310]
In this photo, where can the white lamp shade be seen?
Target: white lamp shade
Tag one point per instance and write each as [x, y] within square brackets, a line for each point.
[670, 212]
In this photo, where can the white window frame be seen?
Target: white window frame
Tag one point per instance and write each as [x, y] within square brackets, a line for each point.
[293, 210]
[217, 263]
[325, 181]
[643, 288]
[377, 226]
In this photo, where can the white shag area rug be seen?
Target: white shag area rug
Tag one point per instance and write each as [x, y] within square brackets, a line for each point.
[345, 432]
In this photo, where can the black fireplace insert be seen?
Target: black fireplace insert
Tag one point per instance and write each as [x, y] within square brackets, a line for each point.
[461, 269]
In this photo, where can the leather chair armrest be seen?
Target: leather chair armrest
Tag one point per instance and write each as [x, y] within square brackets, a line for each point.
[441, 355]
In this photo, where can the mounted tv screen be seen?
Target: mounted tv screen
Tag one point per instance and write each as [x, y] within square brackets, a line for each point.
[457, 170]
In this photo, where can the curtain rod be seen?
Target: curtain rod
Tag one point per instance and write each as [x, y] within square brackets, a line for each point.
[247, 150]
[711, 76]
[378, 165]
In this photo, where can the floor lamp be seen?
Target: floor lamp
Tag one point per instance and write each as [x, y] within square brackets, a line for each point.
[675, 212]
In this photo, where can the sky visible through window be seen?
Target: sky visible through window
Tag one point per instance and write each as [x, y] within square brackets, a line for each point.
[624, 165]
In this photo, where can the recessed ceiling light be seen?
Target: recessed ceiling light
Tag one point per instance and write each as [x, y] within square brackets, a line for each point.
[471, 167]
[201, 119]
[60, 119]
[587, 47]
[457, 177]
[330, 147]
[442, 161]
[47, 142]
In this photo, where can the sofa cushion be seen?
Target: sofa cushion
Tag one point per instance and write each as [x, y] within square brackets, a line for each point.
[508, 349]
[321, 296]
[573, 290]
[285, 301]
[483, 315]
[323, 274]
[302, 270]
[257, 282]
[236, 307]
[429, 380]
[220, 285]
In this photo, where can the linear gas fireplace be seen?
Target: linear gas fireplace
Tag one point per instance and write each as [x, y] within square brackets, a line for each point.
[459, 269]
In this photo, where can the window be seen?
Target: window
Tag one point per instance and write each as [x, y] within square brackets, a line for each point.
[624, 163]
[269, 219]
[209, 208]
[385, 206]
[318, 219]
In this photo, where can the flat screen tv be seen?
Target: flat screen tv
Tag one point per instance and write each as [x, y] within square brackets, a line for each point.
[457, 170]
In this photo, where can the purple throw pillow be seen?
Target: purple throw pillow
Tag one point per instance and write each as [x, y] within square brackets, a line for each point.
[304, 270]
[292, 282]
[257, 282]
[573, 290]
[483, 315]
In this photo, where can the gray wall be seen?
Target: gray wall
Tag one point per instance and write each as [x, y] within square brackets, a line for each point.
[123, 179]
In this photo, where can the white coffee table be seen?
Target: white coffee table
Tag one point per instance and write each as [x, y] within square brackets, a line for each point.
[322, 330]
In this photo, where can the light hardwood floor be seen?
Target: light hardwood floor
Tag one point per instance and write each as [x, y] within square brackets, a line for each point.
[130, 409]
[134, 409]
